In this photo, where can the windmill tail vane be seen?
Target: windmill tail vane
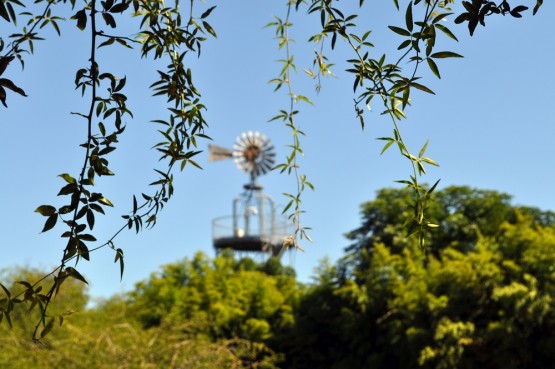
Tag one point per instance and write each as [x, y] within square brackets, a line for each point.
[217, 153]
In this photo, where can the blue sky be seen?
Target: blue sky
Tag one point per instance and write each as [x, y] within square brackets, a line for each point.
[490, 126]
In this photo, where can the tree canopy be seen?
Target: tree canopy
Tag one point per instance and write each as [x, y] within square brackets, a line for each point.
[483, 299]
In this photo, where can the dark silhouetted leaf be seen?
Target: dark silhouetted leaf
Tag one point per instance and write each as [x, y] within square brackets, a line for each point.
[90, 218]
[50, 222]
[81, 18]
[399, 31]
[445, 54]
[408, 17]
[207, 12]
[47, 328]
[11, 86]
[4, 62]
[4, 11]
[119, 256]
[3, 96]
[433, 67]
[110, 21]
[539, 3]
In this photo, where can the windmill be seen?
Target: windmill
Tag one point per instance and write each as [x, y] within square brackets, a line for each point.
[253, 226]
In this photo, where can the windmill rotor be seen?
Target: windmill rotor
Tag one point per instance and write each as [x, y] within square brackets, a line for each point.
[252, 152]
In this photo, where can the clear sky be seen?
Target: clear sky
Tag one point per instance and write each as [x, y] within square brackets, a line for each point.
[490, 126]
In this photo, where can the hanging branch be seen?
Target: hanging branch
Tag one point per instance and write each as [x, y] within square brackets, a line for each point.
[287, 116]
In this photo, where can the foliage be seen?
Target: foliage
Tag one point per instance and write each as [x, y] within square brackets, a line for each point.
[165, 33]
[462, 213]
[482, 300]
[154, 328]
[223, 298]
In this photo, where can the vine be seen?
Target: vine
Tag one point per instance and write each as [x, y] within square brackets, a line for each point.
[163, 36]
[287, 116]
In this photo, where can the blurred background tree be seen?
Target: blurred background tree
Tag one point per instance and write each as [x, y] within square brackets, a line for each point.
[482, 299]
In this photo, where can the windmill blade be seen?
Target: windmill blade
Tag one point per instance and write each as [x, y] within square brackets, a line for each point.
[217, 153]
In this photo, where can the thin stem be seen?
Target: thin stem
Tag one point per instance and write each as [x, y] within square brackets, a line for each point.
[94, 81]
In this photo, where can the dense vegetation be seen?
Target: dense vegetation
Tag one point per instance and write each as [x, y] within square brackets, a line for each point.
[481, 296]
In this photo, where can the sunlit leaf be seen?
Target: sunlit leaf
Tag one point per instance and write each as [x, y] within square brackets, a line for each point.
[45, 210]
[105, 201]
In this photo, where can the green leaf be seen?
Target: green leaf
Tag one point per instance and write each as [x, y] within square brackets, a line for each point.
[406, 95]
[440, 17]
[446, 54]
[287, 206]
[50, 222]
[11, 86]
[408, 17]
[209, 29]
[447, 31]
[207, 12]
[119, 8]
[90, 218]
[4, 11]
[3, 96]
[539, 3]
[429, 192]
[430, 161]
[109, 20]
[96, 208]
[399, 30]
[6, 291]
[404, 44]
[67, 178]
[422, 88]
[423, 149]
[304, 98]
[4, 62]
[386, 146]
[72, 272]
[87, 237]
[68, 189]
[433, 67]
[81, 18]
[119, 257]
[109, 42]
[105, 201]
[45, 210]
[48, 328]
[8, 318]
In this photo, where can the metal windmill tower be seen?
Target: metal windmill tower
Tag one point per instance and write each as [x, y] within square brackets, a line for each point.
[253, 226]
